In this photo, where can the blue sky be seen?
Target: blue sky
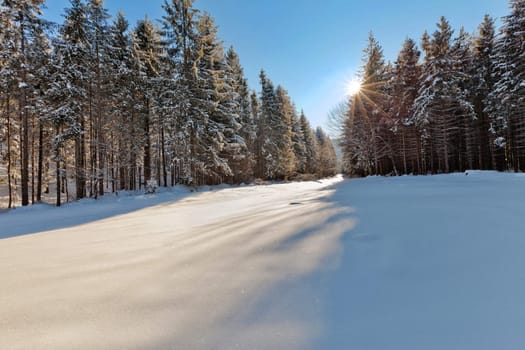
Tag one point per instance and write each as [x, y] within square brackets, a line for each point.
[313, 47]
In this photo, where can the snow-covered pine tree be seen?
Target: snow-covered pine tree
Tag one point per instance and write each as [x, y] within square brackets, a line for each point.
[366, 141]
[8, 82]
[72, 50]
[124, 127]
[258, 146]
[147, 49]
[299, 146]
[213, 109]
[65, 97]
[179, 31]
[327, 158]
[274, 133]
[506, 101]
[99, 38]
[405, 88]
[310, 145]
[244, 170]
[442, 102]
[282, 134]
[39, 61]
[483, 84]
[268, 148]
[465, 142]
[21, 23]
[356, 143]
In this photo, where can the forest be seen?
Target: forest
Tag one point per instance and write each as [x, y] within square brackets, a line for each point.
[91, 106]
[457, 103]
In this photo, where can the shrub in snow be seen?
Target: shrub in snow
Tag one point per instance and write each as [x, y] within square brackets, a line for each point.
[151, 187]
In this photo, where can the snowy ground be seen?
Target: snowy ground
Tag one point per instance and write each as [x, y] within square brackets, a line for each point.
[378, 263]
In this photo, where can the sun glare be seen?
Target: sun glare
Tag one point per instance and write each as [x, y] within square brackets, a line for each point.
[353, 87]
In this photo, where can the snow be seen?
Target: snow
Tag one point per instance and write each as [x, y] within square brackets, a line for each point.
[429, 262]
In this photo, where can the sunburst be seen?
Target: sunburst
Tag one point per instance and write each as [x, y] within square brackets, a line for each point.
[353, 87]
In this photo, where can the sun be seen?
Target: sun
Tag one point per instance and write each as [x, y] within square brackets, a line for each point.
[353, 87]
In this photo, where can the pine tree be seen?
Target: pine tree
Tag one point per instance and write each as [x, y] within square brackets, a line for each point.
[366, 143]
[147, 48]
[40, 59]
[282, 134]
[73, 58]
[465, 142]
[327, 159]
[179, 30]
[483, 85]
[310, 145]
[507, 104]
[406, 82]
[267, 157]
[65, 106]
[99, 37]
[21, 27]
[8, 127]
[124, 127]
[240, 95]
[442, 103]
[298, 143]
[212, 113]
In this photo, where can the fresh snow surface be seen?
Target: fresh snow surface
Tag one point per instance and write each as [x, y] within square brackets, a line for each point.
[432, 262]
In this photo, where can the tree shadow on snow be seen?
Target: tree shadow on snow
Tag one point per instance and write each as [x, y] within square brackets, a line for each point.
[44, 217]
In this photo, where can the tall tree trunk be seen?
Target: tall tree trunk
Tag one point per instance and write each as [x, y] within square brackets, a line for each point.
[25, 122]
[64, 179]
[33, 160]
[57, 164]
[101, 165]
[80, 161]
[9, 182]
[163, 156]
[405, 168]
[92, 147]
[40, 161]
[147, 146]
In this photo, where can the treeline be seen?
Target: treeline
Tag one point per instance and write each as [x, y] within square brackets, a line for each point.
[461, 107]
[112, 108]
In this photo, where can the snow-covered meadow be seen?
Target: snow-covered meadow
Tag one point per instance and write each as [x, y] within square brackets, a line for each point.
[433, 262]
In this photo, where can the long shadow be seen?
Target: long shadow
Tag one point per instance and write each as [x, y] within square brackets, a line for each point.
[289, 297]
[302, 300]
[318, 299]
[330, 284]
[44, 217]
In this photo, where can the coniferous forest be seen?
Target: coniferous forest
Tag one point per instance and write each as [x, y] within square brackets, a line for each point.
[95, 105]
[457, 103]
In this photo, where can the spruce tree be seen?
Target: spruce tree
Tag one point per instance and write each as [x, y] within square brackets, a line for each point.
[483, 85]
[240, 95]
[327, 159]
[147, 48]
[366, 143]
[179, 31]
[442, 103]
[310, 145]
[406, 82]
[282, 128]
[73, 56]
[99, 38]
[22, 23]
[507, 105]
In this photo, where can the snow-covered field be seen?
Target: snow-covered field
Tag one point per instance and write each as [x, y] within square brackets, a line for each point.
[379, 263]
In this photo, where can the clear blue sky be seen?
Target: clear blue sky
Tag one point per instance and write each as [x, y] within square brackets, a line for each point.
[313, 47]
